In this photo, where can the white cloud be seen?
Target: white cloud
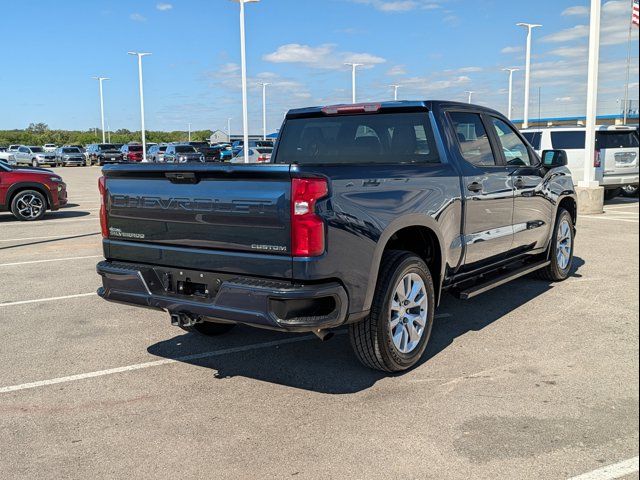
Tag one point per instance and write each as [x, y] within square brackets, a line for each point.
[163, 7]
[323, 56]
[568, 34]
[137, 17]
[564, 99]
[506, 50]
[578, 10]
[575, 51]
[400, 6]
[229, 68]
[469, 69]
[397, 70]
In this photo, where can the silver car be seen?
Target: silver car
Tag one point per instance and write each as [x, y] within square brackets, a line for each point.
[67, 156]
[34, 156]
[256, 155]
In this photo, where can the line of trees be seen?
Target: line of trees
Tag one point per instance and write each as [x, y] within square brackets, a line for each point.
[39, 134]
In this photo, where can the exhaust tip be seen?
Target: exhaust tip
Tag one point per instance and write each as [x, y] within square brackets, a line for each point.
[323, 335]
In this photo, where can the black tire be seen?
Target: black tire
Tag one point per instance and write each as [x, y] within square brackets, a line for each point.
[30, 196]
[371, 338]
[554, 272]
[210, 329]
[34, 163]
[630, 191]
[611, 194]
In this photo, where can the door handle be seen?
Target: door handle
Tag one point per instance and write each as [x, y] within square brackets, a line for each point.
[474, 187]
[519, 183]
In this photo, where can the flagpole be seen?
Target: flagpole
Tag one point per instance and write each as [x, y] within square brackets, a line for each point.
[626, 85]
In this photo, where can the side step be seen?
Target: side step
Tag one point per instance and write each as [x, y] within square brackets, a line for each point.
[496, 282]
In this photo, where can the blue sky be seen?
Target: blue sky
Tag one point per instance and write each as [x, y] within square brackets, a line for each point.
[432, 48]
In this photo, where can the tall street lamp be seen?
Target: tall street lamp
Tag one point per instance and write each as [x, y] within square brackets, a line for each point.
[100, 80]
[243, 55]
[470, 95]
[510, 103]
[527, 70]
[144, 138]
[264, 109]
[229, 129]
[354, 66]
[395, 91]
[189, 127]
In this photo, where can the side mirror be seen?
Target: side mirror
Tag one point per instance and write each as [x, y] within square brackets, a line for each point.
[554, 158]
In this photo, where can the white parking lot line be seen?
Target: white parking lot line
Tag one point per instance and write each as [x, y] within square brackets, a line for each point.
[30, 262]
[63, 237]
[617, 470]
[595, 217]
[53, 221]
[51, 299]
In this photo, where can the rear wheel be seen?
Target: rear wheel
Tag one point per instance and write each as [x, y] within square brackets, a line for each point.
[34, 163]
[561, 254]
[28, 205]
[630, 190]
[210, 329]
[394, 336]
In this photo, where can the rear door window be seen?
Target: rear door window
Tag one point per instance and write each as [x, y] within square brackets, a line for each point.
[570, 140]
[617, 139]
[534, 139]
[472, 138]
[388, 138]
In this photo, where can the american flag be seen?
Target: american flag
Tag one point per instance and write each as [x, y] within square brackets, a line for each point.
[635, 13]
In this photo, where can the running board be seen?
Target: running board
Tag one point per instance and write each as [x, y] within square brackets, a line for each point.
[496, 282]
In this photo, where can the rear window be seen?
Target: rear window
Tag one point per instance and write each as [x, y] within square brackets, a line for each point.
[358, 139]
[533, 138]
[135, 148]
[264, 150]
[37, 149]
[617, 139]
[107, 146]
[71, 150]
[568, 140]
[162, 149]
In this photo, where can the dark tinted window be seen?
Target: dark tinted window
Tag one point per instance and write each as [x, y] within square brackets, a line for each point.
[185, 149]
[107, 146]
[534, 139]
[377, 138]
[264, 150]
[571, 140]
[71, 150]
[36, 149]
[472, 138]
[162, 149]
[617, 139]
[135, 148]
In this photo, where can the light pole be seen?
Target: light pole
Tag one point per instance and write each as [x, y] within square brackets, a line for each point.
[354, 66]
[144, 138]
[243, 55]
[510, 106]
[470, 95]
[395, 91]
[100, 80]
[527, 70]
[264, 110]
[229, 129]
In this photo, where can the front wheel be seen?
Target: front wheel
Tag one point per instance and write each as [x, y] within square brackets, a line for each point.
[561, 249]
[34, 163]
[630, 190]
[28, 205]
[394, 336]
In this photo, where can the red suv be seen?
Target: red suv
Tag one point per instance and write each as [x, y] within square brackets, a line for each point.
[28, 192]
[132, 153]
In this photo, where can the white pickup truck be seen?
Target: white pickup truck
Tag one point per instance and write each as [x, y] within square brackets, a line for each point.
[9, 155]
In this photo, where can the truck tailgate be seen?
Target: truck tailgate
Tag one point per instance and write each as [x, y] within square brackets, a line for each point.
[224, 207]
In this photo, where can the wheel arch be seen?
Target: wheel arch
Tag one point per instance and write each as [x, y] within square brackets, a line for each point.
[415, 233]
[19, 187]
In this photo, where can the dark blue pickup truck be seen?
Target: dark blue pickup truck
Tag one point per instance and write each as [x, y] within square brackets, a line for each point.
[366, 215]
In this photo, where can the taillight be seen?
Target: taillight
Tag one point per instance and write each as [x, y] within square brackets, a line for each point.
[597, 159]
[102, 187]
[307, 228]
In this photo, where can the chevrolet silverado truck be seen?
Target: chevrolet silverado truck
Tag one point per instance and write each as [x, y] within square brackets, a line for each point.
[365, 217]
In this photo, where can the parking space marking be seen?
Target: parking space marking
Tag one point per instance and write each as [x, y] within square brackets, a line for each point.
[63, 237]
[610, 472]
[50, 299]
[595, 217]
[30, 262]
[53, 221]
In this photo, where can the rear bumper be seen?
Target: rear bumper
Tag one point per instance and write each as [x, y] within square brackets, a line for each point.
[264, 303]
[620, 180]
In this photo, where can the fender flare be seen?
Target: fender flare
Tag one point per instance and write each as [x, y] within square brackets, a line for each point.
[29, 185]
[412, 220]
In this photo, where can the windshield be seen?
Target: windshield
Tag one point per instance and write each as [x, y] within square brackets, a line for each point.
[135, 148]
[71, 150]
[185, 149]
[107, 146]
[36, 149]
[380, 138]
[617, 139]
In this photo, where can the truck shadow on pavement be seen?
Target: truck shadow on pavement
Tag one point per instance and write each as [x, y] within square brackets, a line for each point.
[57, 215]
[331, 367]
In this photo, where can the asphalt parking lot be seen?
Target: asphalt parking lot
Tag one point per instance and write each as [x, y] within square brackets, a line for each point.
[531, 380]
